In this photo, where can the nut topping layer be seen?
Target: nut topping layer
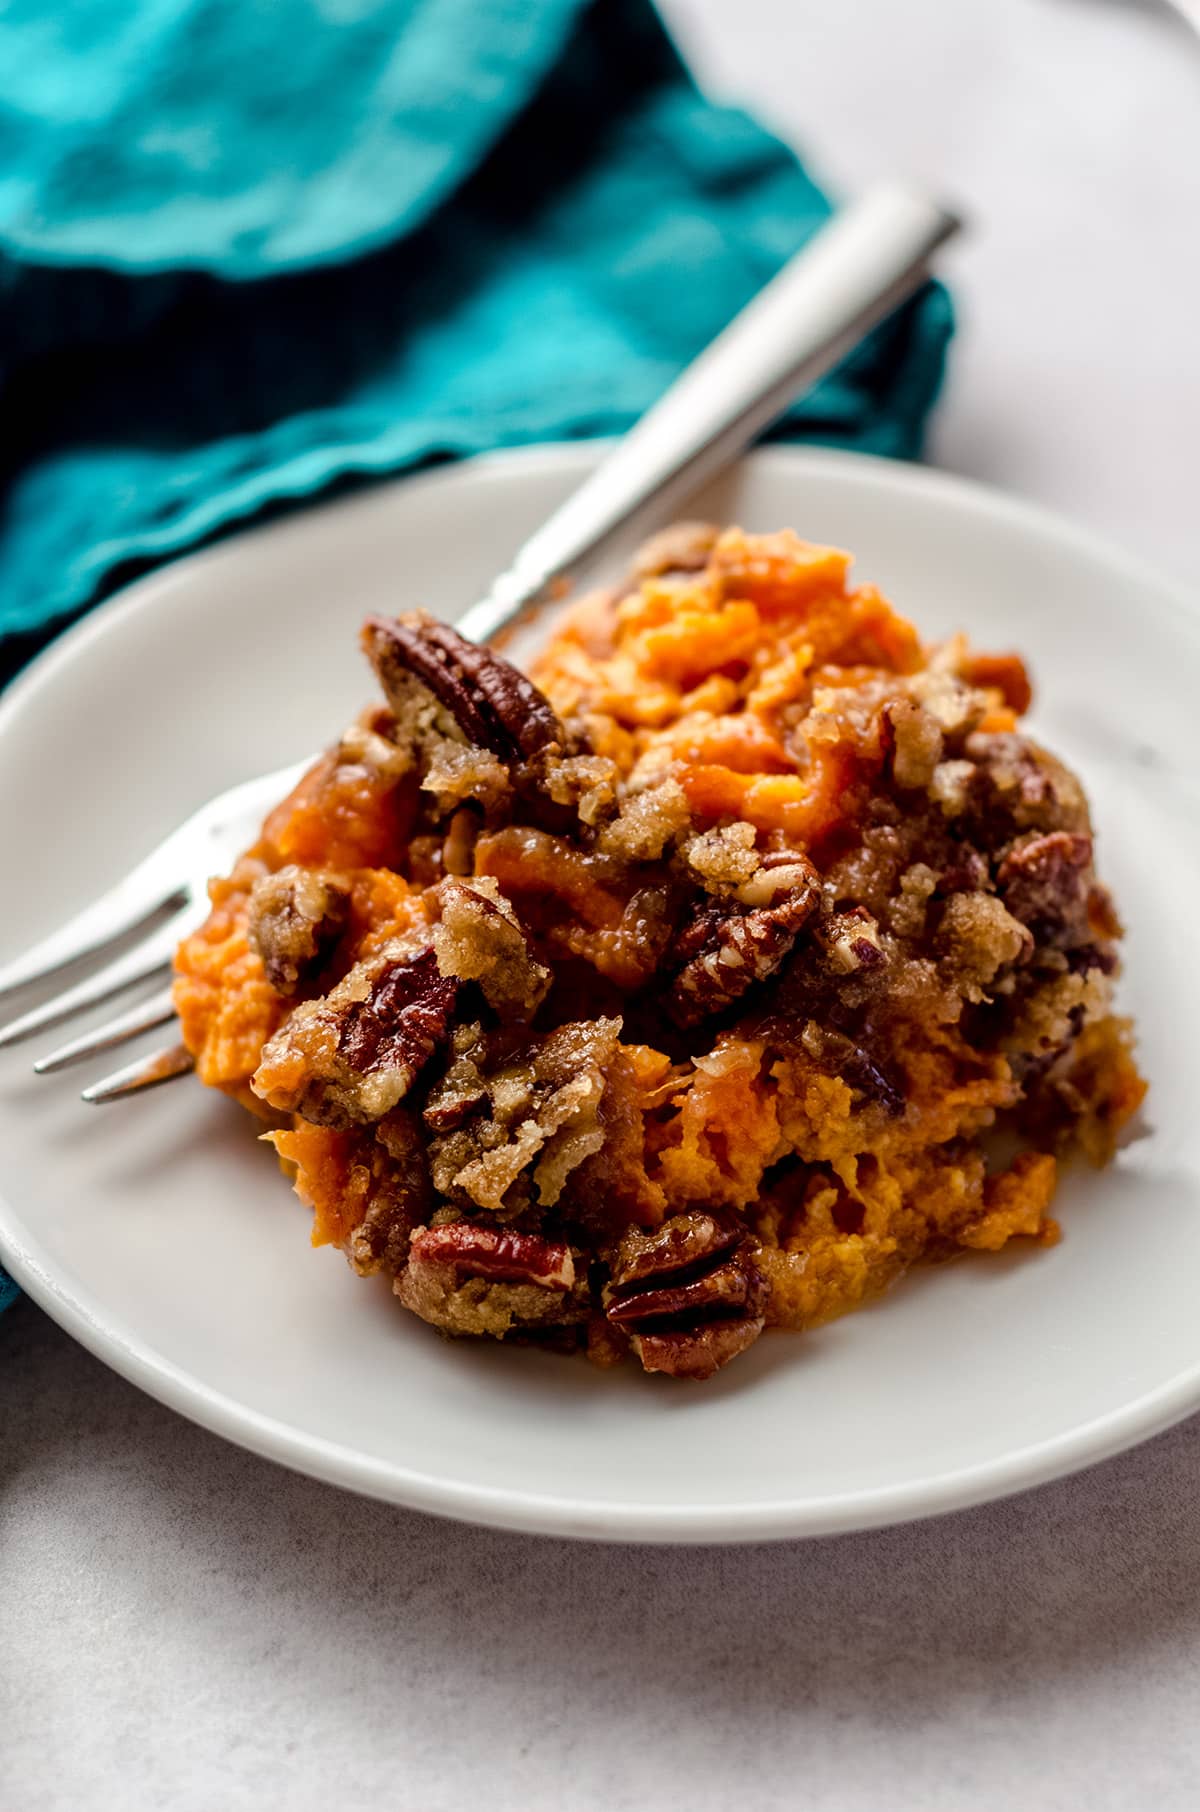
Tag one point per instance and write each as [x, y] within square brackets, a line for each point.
[688, 987]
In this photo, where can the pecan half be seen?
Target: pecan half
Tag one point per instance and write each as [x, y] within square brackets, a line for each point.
[352, 1054]
[296, 917]
[496, 1252]
[493, 704]
[688, 1296]
[470, 1279]
[1046, 882]
[403, 1017]
[728, 946]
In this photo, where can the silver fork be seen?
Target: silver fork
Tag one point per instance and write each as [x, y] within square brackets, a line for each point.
[165, 896]
[853, 273]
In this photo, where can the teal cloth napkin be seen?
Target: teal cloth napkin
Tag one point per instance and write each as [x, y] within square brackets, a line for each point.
[251, 252]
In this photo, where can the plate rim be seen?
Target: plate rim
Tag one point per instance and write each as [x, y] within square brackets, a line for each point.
[537, 1512]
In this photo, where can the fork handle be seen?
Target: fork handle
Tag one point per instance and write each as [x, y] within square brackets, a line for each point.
[860, 266]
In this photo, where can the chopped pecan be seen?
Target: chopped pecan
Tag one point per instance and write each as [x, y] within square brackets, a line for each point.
[584, 786]
[471, 1279]
[689, 1295]
[727, 946]
[296, 917]
[838, 1052]
[1021, 786]
[698, 1354]
[479, 938]
[779, 872]
[1046, 882]
[394, 1196]
[493, 704]
[726, 1286]
[699, 932]
[850, 940]
[679, 1243]
[352, 1054]
[507, 1135]
[402, 1018]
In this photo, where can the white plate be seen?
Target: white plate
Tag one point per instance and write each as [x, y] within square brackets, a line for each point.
[165, 1239]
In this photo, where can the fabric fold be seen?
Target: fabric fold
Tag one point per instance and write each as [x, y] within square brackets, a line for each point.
[421, 229]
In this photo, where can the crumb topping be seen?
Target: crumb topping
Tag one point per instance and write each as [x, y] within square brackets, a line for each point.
[680, 988]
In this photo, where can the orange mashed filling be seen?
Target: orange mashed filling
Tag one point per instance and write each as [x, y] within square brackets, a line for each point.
[756, 685]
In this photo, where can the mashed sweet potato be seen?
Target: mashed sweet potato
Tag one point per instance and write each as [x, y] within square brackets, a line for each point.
[694, 985]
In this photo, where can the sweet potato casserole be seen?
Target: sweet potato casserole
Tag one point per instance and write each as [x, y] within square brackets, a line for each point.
[701, 983]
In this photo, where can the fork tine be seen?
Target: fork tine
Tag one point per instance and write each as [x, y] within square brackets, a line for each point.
[170, 876]
[145, 1072]
[115, 913]
[139, 964]
[157, 1011]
